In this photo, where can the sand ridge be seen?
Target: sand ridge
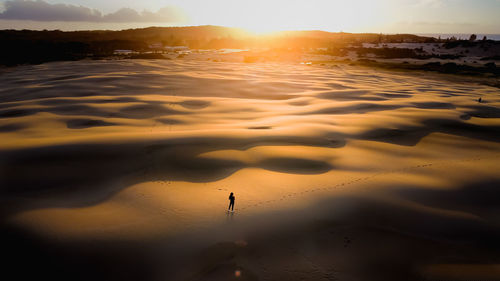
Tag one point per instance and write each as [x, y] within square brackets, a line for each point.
[147, 152]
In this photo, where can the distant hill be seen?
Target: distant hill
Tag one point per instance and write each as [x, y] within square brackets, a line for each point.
[189, 33]
[28, 46]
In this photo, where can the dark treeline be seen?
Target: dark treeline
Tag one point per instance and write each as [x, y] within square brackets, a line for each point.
[32, 47]
[487, 70]
[399, 53]
[27, 46]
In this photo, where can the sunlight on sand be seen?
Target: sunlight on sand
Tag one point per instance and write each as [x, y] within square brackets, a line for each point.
[155, 152]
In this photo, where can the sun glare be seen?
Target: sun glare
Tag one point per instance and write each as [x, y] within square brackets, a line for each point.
[277, 15]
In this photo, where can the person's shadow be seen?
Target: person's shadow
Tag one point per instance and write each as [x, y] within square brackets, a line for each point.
[229, 216]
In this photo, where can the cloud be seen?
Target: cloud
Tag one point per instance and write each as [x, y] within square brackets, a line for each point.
[430, 3]
[166, 14]
[42, 11]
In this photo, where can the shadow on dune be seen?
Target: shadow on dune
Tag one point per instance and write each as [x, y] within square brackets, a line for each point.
[482, 111]
[134, 83]
[69, 168]
[411, 135]
[352, 95]
[86, 107]
[361, 108]
[145, 111]
[481, 199]
[138, 111]
[18, 112]
[76, 109]
[12, 127]
[87, 123]
[169, 121]
[29, 257]
[299, 103]
[364, 237]
[338, 86]
[357, 108]
[194, 104]
[260, 128]
[356, 237]
[433, 105]
[91, 168]
[58, 102]
[394, 95]
[295, 165]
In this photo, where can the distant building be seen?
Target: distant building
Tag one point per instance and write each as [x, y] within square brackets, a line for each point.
[156, 46]
[123, 52]
[176, 48]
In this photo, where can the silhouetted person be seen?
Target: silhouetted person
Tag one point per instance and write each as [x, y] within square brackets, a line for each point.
[231, 202]
[480, 100]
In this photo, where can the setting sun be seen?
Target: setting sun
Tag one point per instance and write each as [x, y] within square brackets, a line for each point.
[269, 16]
[200, 140]
[260, 16]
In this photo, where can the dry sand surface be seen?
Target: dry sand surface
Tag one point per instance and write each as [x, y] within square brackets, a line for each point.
[121, 170]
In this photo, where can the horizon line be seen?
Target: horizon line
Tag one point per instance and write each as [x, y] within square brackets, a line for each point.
[256, 33]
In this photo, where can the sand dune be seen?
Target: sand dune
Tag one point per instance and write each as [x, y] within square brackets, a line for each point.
[120, 170]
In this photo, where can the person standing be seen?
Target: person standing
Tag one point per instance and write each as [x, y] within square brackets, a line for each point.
[231, 202]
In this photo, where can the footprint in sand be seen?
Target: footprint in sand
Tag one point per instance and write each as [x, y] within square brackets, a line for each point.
[357, 180]
[347, 241]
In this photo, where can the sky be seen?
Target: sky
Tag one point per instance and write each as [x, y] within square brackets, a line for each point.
[261, 16]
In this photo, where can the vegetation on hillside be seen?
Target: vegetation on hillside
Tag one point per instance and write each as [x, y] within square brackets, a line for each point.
[27, 46]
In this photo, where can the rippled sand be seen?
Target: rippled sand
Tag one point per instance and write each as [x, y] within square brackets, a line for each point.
[340, 173]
